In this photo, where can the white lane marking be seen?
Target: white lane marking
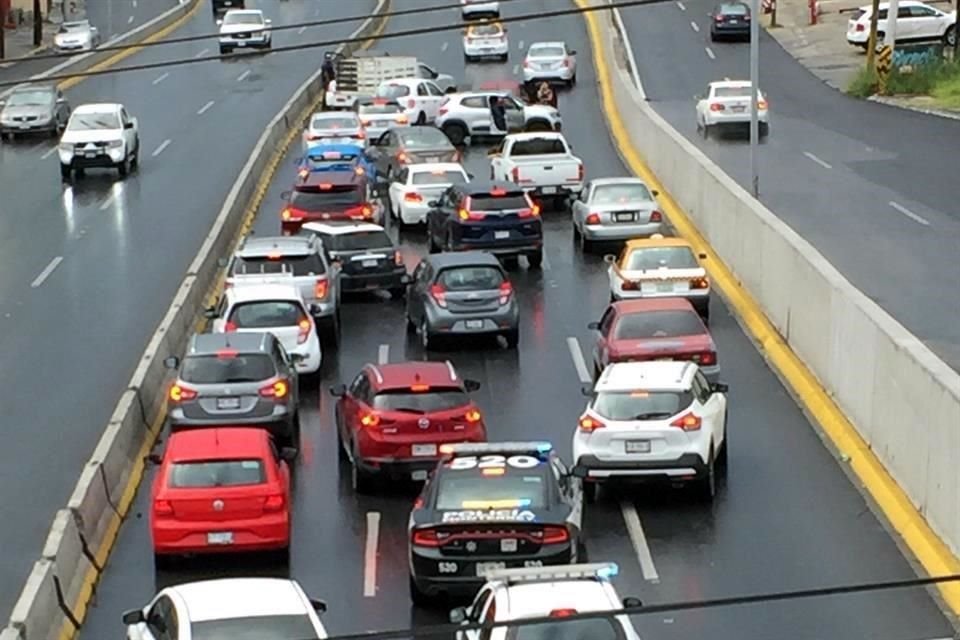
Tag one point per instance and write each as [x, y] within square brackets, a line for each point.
[130, 20]
[516, 69]
[820, 162]
[206, 108]
[134, 4]
[243, 76]
[444, 46]
[202, 53]
[161, 78]
[163, 145]
[681, 6]
[578, 362]
[46, 272]
[383, 354]
[639, 540]
[301, 30]
[695, 26]
[48, 153]
[545, 265]
[710, 53]
[107, 203]
[910, 214]
[370, 555]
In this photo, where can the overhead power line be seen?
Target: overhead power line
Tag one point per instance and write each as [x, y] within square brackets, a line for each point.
[619, 4]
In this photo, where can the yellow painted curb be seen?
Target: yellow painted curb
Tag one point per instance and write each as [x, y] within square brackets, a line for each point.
[935, 557]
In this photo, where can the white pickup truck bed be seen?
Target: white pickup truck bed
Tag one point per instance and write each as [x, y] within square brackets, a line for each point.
[541, 163]
[360, 75]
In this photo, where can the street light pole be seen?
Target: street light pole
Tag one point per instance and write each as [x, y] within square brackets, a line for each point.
[891, 33]
[754, 94]
[37, 24]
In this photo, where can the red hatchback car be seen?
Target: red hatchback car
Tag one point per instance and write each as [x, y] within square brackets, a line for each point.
[221, 490]
[324, 196]
[654, 329]
[393, 417]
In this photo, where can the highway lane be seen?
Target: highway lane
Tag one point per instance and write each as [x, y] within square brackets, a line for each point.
[871, 186]
[89, 270]
[110, 17]
[787, 517]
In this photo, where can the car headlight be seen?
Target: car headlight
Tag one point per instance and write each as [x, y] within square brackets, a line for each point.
[66, 146]
[115, 144]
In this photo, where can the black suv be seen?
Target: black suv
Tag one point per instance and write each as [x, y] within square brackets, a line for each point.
[367, 257]
[494, 216]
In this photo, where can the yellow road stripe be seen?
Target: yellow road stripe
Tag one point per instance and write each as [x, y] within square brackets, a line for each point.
[926, 546]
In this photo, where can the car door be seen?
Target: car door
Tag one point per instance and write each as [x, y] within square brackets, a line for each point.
[515, 115]
[433, 99]
[713, 406]
[925, 23]
[571, 492]
[380, 153]
[601, 346]
[357, 394]
[286, 366]
[421, 284]
[396, 190]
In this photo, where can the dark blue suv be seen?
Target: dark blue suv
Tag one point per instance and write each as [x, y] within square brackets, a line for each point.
[494, 216]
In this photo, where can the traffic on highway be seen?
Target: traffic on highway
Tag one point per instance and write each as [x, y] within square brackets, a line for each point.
[461, 368]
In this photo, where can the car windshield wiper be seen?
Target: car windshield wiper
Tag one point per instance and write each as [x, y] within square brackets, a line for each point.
[407, 410]
[229, 380]
[652, 415]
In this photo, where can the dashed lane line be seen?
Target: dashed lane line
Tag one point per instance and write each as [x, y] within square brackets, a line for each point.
[47, 270]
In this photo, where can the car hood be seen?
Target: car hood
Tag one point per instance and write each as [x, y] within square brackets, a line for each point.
[65, 38]
[100, 135]
[228, 29]
[26, 111]
[541, 110]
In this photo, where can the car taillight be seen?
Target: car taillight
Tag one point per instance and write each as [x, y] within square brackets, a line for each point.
[563, 613]
[700, 283]
[860, 27]
[687, 422]
[442, 111]
[162, 508]
[369, 419]
[277, 390]
[463, 214]
[366, 211]
[708, 357]
[515, 175]
[275, 502]
[581, 172]
[365, 123]
[526, 64]
[506, 290]
[555, 535]
[320, 288]
[179, 393]
[630, 285]
[761, 104]
[716, 106]
[412, 196]
[426, 538]
[472, 416]
[290, 215]
[590, 424]
[402, 119]
[593, 218]
[304, 327]
[439, 295]
[402, 157]
[566, 62]
[532, 212]
[229, 327]
[656, 216]
[398, 258]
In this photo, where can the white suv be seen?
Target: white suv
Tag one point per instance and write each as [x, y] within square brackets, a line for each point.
[555, 592]
[916, 22]
[244, 28]
[99, 135]
[468, 114]
[657, 419]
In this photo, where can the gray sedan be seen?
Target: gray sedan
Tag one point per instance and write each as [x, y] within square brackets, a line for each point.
[615, 209]
[34, 108]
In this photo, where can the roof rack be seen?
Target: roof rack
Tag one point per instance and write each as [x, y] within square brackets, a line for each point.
[536, 448]
[591, 571]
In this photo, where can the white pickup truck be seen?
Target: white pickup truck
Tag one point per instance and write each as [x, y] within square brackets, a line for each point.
[542, 163]
[361, 74]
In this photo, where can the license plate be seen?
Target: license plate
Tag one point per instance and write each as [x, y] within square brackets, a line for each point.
[501, 235]
[369, 263]
[221, 537]
[638, 446]
[474, 324]
[90, 154]
[665, 287]
[424, 449]
[508, 545]
[228, 403]
[419, 475]
[483, 567]
[433, 159]
[624, 217]
[548, 190]
[241, 43]
[739, 109]
[24, 126]
[733, 22]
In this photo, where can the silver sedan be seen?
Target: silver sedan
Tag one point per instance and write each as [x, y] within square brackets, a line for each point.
[615, 209]
[550, 61]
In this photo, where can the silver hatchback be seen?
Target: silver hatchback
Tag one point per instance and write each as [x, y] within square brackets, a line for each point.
[615, 209]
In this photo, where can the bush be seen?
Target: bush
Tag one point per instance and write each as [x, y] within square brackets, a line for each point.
[864, 84]
[930, 79]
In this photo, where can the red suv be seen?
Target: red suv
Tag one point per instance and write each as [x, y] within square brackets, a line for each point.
[393, 417]
[325, 196]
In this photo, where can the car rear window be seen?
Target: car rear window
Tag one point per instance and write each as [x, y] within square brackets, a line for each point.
[537, 147]
[393, 91]
[470, 278]
[547, 52]
[859, 14]
[315, 199]
[216, 473]
[336, 122]
[486, 30]
[219, 369]
[590, 629]
[734, 9]
[661, 258]
[389, 107]
[614, 193]
[357, 241]
[474, 489]
[301, 265]
[254, 628]
[420, 402]
[439, 177]
[731, 92]
[266, 314]
[509, 202]
[424, 138]
[657, 324]
[640, 405]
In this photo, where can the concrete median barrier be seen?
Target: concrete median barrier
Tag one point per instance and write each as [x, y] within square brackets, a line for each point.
[83, 534]
[902, 400]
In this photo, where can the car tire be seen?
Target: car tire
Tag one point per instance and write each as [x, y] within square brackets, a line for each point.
[467, 59]
[398, 293]
[432, 243]
[573, 80]
[505, 57]
[342, 455]
[586, 245]
[135, 160]
[713, 36]
[512, 338]
[535, 260]
[418, 597]
[706, 131]
[722, 457]
[411, 326]
[123, 167]
[707, 485]
[293, 439]
[582, 554]
[457, 133]
[66, 172]
[763, 129]
[224, 50]
[448, 242]
[950, 36]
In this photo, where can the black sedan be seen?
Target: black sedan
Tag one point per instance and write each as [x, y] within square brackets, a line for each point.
[730, 21]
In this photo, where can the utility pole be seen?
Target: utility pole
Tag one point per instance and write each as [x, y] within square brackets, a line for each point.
[754, 95]
[3, 29]
[891, 34]
[872, 39]
[37, 24]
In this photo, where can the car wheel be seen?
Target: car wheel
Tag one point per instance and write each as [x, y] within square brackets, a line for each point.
[418, 597]
[224, 51]
[293, 440]
[535, 259]
[432, 243]
[427, 341]
[448, 243]
[421, 119]
[135, 160]
[9, 137]
[582, 555]
[341, 445]
[707, 485]
[456, 133]
[66, 172]
[512, 337]
[573, 80]
[706, 131]
[950, 36]
[586, 245]
[504, 57]
[467, 59]
[722, 459]
[763, 129]
[123, 167]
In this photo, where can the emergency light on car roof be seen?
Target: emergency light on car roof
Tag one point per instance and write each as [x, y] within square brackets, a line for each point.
[595, 570]
[480, 448]
[522, 503]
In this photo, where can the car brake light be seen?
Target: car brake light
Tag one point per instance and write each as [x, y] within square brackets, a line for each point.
[590, 424]
[290, 215]
[718, 18]
[708, 357]
[412, 196]
[687, 422]
[442, 111]
[179, 393]
[498, 192]
[320, 288]
[566, 62]
[472, 416]
[761, 104]
[426, 538]
[716, 106]
[656, 216]
[277, 390]
[515, 174]
[555, 535]
[418, 503]
[275, 502]
[629, 285]
[699, 283]
[366, 211]
[593, 218]
[303, 330]
[162, 508]
[526, 64]
[581, 172]
[402, 157]
[563, 613]
[230, 327]
[369, 419]
[365, 123]
[463, 214]
[860, 27]
[398, 258]
[402, 119]
[439, 295]
[506, 290]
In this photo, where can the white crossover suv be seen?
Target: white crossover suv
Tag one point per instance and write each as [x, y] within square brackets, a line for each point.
[99, 135]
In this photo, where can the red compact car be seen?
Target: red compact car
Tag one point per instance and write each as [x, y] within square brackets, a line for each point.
[221, 490]
[654, 329]
[324, 196]
[393, 417]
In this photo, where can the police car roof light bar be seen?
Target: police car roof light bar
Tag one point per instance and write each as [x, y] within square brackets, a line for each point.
[479, 448]
[591, 571]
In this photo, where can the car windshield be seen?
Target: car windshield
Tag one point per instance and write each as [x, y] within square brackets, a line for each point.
[657, 324]
[373, 109]
[227, 367]
[358, 241]
[538, 146]
[266, 314]
[640, 405]
[299, 627]
[732, 92]
[243, 18]
[407, 401]
[510, 202]
[424, 138]
[393, 91]
[486, 30]
[30, 98]
[469, 490]
[313, 199]
[647, 258]
[617, 193]
[94, 122]
[479, 278]
[547, 52]
[74, 27]
[439, 177]
[334, 122]
[216, 473]
[591, 629]
[301, 265]
[734, 9]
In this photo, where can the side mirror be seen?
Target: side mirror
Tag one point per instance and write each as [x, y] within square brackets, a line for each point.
[586, 390]
[133, 617]
[631, 602]
[406, 279]
[434, 203]
[288, 454]
[702, 256]
[128, 125]
[610, 258]
[593, 326]
[285, 195]
[338, 390]
[219, 23]
[172, 362]
[471, 176]
[318, 605]
[719, 387]
[471, 385]
[210, 313]
[154, 458]
[573, 52]
[459, 615]
[268, 22]
[297, 357]
[579, 472]
[315, 309]
[654, 192]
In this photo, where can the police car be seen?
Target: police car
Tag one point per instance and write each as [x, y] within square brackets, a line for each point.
[548, 592]
[334, 157]
[492, 506]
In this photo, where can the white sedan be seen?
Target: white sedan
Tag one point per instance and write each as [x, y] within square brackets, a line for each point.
[473, 9]
[334, 127]
[727, 105]
[649, 420]
[550, 61]
[78, 35]
[102, 136]
[417, 185]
